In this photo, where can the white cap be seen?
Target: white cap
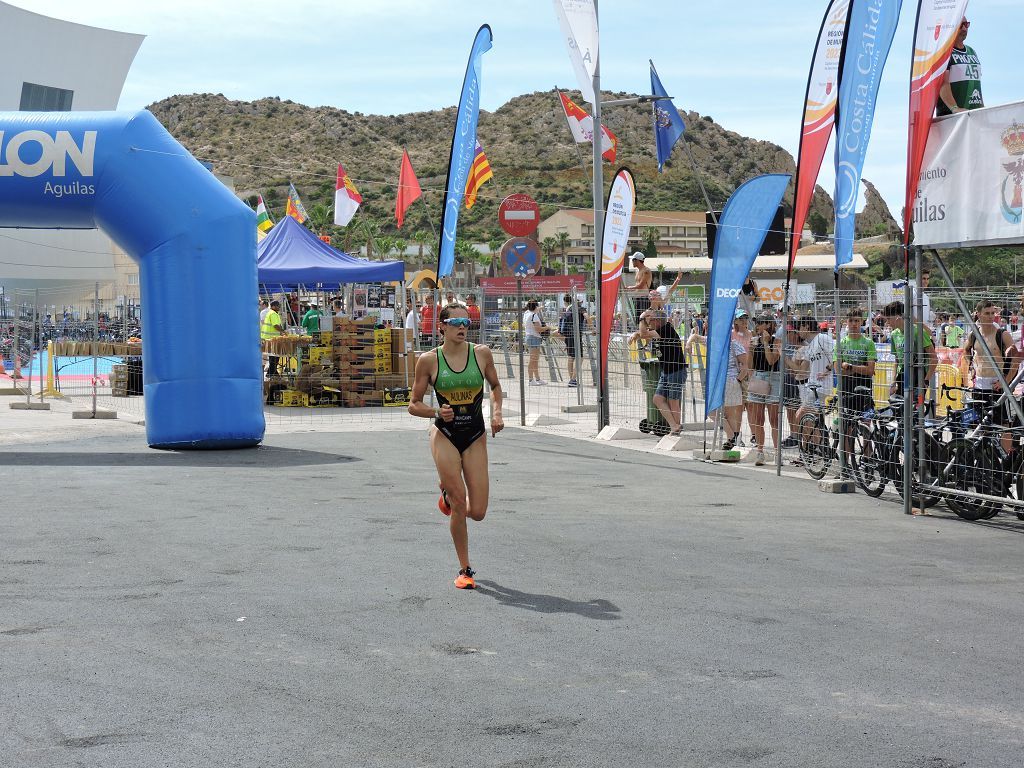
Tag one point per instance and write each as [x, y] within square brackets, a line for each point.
[638, 256]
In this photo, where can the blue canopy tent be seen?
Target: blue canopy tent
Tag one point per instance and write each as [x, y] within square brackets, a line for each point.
[291, 256]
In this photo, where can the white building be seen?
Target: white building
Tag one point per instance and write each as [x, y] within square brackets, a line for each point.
[52, 65]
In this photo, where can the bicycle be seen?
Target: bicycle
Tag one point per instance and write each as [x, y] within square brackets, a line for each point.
[978, 462]
[819, 443]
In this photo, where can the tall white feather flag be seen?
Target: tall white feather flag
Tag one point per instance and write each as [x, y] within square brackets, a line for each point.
[578, 20]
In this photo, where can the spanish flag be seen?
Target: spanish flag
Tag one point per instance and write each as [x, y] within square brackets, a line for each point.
[294, 206]
[479, 172]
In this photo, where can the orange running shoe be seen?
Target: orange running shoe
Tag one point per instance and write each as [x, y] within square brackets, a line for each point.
[465, 579]
[443, 505]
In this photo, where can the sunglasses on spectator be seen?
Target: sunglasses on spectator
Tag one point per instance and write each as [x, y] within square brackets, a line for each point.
[457, 322]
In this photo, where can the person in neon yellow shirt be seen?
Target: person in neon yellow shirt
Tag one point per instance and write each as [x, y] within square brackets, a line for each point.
[271, 328]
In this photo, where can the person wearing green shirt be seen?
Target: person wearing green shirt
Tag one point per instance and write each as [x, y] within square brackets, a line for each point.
[311, 320]
[954, 335]
[961, 87]
[855, 357]
[925, 358]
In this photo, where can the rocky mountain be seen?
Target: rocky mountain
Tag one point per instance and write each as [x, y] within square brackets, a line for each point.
[268, 143]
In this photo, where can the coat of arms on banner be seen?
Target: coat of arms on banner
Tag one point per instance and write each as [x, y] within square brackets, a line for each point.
[1013, 141]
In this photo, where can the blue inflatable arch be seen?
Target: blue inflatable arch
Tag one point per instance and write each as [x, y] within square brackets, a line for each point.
[195, 243]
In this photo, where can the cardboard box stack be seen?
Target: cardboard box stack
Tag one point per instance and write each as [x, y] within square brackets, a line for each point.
[119, 381]
[360, 354]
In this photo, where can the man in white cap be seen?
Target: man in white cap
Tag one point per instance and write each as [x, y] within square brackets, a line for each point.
[641, 285]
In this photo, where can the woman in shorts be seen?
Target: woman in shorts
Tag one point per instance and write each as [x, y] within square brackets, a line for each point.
[533, 330]
[765, 388]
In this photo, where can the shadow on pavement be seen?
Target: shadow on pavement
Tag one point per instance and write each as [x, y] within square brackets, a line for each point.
[601, 610]
[261, 457]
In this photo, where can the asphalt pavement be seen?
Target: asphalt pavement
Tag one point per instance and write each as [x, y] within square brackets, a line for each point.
[293, 606]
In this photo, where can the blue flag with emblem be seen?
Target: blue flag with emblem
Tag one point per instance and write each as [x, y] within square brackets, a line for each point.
[869, 32]
[668, 125]
[463, 150]
[741, 230]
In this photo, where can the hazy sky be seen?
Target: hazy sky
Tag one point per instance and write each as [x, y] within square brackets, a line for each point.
[744, 63]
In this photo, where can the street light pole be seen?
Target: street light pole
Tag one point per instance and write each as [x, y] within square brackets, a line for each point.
[598, 190]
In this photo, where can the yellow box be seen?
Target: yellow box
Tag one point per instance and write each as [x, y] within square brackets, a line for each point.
[326, 337]
[379, 353]
[396, 397]
[318, 355]
[382, 336]
[382, 365]
[291, 398]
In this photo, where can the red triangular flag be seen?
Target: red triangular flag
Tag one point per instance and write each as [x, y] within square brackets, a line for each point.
[408, 188]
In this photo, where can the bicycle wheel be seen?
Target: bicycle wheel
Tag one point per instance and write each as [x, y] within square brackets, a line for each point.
[962, 473]
[815, 447]
[868, 461]
[923, 476]
[993, 479]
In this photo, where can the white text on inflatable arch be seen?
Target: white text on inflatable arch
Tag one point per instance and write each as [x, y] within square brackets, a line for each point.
[53, 151]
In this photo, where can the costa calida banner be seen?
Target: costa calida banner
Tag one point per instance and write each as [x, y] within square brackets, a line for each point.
[618, 216]
[819, 115]
[463, 149]
[934, 35]
[869, 34]
[970, 185]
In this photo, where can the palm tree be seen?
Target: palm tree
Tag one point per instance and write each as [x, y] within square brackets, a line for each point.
[421, 238]
[367, 230]
[564, 241]
[385, 245]
[651, 236]
[400, 246]
[320, 217]
[547, 247]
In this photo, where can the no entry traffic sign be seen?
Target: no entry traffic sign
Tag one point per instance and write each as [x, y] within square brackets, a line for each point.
[519, 215]
[520, 256]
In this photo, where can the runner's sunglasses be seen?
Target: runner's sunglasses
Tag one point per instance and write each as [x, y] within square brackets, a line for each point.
[457, 322]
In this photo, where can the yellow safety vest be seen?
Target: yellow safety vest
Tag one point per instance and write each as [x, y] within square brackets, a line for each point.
[268, 329]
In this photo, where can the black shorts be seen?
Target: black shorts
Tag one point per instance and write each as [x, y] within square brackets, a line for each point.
[790, 392]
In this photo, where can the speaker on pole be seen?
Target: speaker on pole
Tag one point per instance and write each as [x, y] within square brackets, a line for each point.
[774, 239]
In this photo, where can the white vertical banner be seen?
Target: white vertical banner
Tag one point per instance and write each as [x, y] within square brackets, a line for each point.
[578, 20]
[971, 182]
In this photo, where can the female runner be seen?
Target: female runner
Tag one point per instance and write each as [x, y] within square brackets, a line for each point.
[458, 438]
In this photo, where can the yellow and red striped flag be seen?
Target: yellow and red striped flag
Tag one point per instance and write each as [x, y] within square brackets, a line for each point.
[479, 173]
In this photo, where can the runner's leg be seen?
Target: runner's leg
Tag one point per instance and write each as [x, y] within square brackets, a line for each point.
[478, 484]
[449, 469]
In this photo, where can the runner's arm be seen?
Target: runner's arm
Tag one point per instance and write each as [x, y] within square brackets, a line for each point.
[491, 375]
[421, 380]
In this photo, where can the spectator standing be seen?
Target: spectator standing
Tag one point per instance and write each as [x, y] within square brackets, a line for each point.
[792, 382]
[427, 315]
[855, 356]
[816, 360]
[736, 376]
[668, 394]
[741, 335]
[311, 320]
[641, 284]
[765, 387]
[270, 328]
[961, 86]
[571, 324]
[923, 366]
[474, 318]
[533, 336]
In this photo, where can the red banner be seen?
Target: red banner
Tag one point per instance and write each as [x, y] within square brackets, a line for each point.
[819, 116]
[938, 22]
[535, 284]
